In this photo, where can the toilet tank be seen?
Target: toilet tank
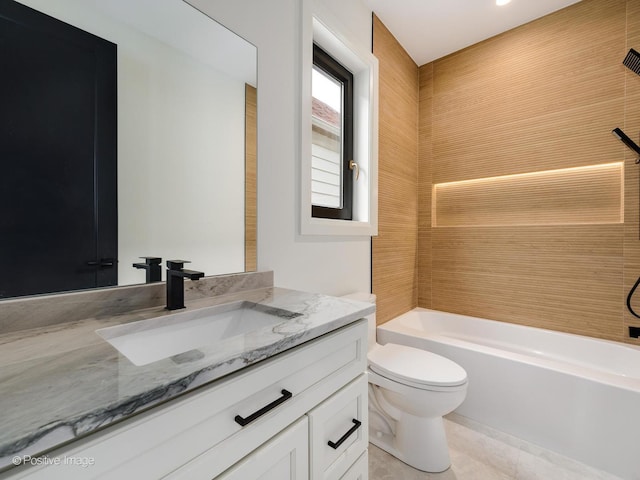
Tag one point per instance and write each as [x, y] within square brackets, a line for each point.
[368, 298]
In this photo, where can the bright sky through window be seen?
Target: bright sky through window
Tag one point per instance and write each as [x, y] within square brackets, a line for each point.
[326, 89]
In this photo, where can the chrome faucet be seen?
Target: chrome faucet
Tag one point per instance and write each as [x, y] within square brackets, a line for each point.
[175, 282]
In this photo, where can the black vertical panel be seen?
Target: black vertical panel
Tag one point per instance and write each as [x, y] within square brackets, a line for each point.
[57, 144]
[106, 163]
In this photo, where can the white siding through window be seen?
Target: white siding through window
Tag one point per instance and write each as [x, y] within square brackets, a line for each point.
[325, 177]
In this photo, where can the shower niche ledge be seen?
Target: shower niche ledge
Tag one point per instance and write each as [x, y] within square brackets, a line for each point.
[592, 194]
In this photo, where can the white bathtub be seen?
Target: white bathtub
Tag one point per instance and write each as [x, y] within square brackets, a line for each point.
[575, 395]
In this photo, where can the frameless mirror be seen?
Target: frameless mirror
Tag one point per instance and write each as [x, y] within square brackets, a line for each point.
[186, 137]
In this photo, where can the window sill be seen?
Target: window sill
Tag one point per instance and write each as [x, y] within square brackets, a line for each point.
[325, 226]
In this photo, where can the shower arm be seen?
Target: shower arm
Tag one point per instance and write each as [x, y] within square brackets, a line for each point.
[620, 135]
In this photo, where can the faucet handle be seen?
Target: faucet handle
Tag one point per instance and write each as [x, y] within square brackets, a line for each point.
[152, 260]
[148, 261]
[176, 264]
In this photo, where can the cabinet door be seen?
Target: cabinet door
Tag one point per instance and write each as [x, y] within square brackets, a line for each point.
[359, 470]
[339, 433]
[285, 457]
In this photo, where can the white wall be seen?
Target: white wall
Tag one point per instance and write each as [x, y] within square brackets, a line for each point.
[181, 162]
[324, 264]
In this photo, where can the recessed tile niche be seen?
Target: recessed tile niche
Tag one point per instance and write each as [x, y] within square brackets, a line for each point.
[591, 194]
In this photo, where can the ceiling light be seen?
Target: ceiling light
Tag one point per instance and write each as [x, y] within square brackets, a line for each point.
[502, 2]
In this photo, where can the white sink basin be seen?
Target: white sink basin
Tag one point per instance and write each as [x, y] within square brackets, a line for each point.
[154, 339]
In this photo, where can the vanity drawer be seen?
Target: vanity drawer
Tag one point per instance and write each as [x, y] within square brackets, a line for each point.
[196, 436]
[339, 431]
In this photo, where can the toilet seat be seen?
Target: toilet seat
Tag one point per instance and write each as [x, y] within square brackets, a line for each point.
[415, 367]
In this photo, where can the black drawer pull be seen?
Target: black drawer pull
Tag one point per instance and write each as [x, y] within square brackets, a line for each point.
[104, 262]
[286, 395]
[346, 435]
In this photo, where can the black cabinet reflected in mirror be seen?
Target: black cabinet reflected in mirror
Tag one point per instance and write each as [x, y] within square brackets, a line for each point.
[58, 154]
[181, 90]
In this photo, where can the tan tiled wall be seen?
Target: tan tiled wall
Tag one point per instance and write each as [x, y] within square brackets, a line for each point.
[543, 96]
[395, 247]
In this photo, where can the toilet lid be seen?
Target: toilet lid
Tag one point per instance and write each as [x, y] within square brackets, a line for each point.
[413, 366]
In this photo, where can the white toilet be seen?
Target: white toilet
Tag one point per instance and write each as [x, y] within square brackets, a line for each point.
[409, 392]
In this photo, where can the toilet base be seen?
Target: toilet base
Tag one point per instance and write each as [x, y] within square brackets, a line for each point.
[419, 442]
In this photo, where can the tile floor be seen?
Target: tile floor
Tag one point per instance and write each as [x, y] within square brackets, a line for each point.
[480, 453]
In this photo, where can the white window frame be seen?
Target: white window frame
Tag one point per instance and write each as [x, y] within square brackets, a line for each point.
[320, 26]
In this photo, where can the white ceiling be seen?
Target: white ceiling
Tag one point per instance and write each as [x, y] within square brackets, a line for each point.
[431, 29]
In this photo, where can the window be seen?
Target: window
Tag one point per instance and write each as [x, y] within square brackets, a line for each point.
[334, 133]
[331, 138]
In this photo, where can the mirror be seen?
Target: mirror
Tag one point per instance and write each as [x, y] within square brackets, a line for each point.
[186, 133]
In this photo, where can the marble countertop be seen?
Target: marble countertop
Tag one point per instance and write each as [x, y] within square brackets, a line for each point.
[61, 382]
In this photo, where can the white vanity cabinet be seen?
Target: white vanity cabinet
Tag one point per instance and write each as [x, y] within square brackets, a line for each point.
[292, 402]
[306, 450]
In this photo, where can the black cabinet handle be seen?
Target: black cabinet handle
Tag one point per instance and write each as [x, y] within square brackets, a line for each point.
[104, 262]
[337, 444]
[286, 395]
